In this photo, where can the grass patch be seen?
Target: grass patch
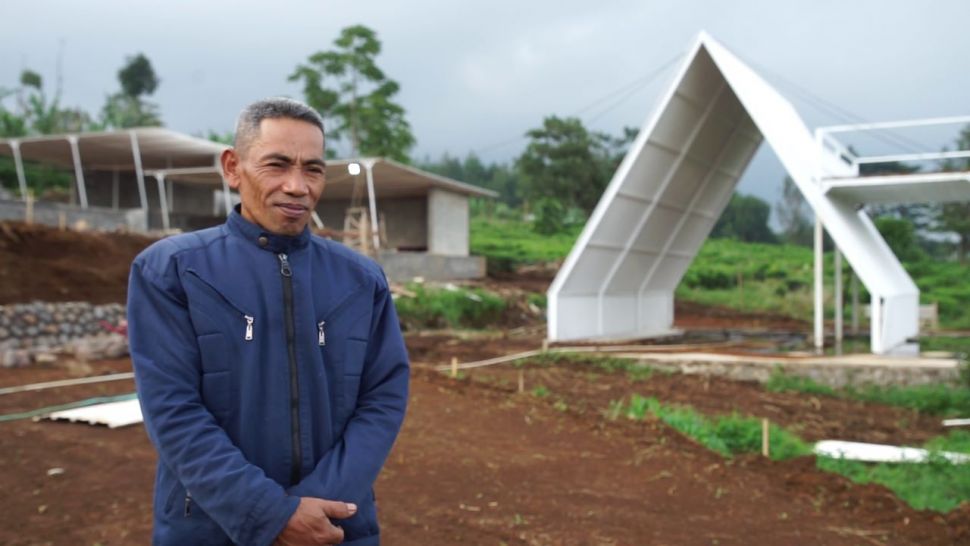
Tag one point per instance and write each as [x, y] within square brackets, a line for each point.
[727, 435]
[433, 307]
[507, 244]
[936, 485]
[942, 400]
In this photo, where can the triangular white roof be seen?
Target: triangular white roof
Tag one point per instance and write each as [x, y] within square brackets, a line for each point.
[665, 197]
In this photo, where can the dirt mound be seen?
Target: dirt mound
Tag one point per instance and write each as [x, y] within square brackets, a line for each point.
[47, 264]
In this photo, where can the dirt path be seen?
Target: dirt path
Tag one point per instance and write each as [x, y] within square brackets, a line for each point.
[476, 464]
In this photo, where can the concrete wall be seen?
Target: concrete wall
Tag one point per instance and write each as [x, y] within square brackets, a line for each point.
[404, 266]
[405, 220]
[94, 217]
[447, 223]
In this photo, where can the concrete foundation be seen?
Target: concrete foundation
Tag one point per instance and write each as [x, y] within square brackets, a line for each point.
[404, 266]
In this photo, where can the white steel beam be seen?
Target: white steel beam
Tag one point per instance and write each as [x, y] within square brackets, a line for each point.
[819, 335]
[19, 165]
[163, 200]
[82, 191]
[139, 173]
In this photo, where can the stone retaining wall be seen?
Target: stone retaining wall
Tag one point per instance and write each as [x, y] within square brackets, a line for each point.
[29, 330]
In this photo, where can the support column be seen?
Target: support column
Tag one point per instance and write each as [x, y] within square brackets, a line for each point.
[855, 304]
[819, 287]
[163, 200]
[82, 192]
[19, 165]
[139, 173]
[372, 203]
[838, 298]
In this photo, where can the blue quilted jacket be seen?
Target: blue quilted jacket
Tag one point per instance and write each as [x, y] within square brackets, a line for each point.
[268, 368]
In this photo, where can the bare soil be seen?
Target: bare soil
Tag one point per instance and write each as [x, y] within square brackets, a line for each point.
[479, 463]
[47, 264]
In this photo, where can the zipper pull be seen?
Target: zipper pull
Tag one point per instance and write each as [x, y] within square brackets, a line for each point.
[188, 504]
[249, 327]
[321, 335]
[285, 265]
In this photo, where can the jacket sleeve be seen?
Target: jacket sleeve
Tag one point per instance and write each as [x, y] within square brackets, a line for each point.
[347, 472]
[250, 507]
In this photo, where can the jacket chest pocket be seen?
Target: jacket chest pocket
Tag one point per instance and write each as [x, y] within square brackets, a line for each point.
[344, 357]
[212, 311]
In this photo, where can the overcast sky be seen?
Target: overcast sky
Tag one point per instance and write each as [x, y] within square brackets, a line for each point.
[475, 75]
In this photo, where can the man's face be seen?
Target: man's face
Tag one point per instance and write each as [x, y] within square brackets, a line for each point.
[279, 175]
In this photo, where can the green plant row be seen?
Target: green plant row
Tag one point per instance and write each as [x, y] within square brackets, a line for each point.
[938, 399]
[937, 485]
[433, 307]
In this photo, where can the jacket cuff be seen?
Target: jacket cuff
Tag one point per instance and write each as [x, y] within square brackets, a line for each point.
[268, 518]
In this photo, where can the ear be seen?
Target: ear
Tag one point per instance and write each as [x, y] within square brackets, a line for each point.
[230, 167]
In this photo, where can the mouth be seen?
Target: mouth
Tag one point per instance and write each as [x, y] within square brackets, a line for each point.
[292, 210]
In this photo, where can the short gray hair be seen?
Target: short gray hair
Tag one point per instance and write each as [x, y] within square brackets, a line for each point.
[247, 127]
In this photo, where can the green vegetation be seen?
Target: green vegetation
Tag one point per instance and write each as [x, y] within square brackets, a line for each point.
[937, 485]
[943, 400]
[510, 243]
[459, 307]
[634, 370]
[727, 435]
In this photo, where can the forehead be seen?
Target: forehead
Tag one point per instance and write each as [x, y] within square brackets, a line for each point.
[289, 135]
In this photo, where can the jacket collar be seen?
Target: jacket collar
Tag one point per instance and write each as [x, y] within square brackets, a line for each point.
[256, 235]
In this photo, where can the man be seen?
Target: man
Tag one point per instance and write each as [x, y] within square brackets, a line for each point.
[269, 362]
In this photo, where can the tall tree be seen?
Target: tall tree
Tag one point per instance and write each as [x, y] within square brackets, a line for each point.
[745, 219]
[565, 162]
[794, 215]
[36, 112]
[129, 107]
[346, 86]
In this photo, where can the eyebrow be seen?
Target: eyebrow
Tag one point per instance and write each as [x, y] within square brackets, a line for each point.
[287, 159]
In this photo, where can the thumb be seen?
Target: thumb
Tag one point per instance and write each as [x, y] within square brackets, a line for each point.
[337, 509]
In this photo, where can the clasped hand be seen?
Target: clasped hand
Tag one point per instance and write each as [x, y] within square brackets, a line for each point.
[310, 525]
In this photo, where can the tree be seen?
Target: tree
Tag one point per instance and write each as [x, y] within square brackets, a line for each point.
[138, 77]
[128, 108]
[955, 217]
[564, 161]
[358, 96]
[900, 235]
[745, 219]
[794, 215]
[36, 113]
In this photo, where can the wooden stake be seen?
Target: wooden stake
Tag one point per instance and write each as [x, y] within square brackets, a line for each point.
[62, 220]
[454, 366]
[29, 211]
[521, 381]
[765, 438]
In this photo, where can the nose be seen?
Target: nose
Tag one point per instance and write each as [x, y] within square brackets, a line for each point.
[295, 183]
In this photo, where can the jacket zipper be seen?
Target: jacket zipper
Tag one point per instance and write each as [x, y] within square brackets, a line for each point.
[287, 275]
[321, 334]
[248, 335]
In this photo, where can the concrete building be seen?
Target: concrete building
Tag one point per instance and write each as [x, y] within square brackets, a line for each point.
[149, 179]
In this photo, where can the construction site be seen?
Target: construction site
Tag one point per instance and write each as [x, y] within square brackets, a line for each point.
[578, 421]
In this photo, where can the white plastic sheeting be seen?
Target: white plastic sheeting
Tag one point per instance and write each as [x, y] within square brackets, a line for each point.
[878, 453]
[619, 279]
[112, 414]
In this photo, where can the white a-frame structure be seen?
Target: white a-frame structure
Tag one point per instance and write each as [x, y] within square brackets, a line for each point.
[619, 279]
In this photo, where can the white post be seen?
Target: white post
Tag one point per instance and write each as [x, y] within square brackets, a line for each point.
[372, 202]
[855, 304]
[163, 200]
[139, 173]
[838, 298]
[19, 165]
[819, 287]
[82, 191]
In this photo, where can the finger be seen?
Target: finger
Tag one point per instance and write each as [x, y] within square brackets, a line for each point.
[338, 510]
[337, 535]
